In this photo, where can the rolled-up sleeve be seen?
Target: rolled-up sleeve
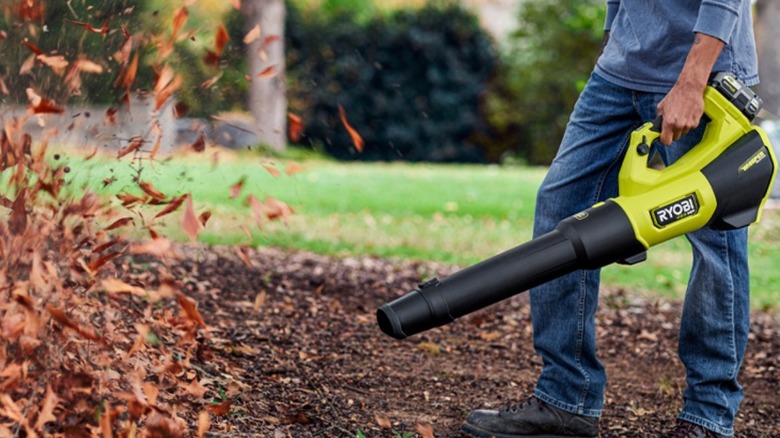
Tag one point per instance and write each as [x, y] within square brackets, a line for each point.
[612, 8]
[717, 18]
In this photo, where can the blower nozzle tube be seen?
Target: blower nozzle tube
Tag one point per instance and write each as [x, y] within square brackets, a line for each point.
[578, 242]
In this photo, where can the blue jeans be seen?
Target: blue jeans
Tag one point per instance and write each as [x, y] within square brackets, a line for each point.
[715, 321]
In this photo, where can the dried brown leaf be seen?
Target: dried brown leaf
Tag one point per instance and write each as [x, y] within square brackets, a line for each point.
[33, 48]
[220, 409]
[120, 223]
[128, 199]
[204, 217]
[57, 63]
[208, 83]
[136, 143]
[46, 414]
[257, 210]
[149, 189]
[235, 189]
[268, 72]
[357, 140]
[252, 35]
[276, 209]
[179, 19]
[17, 223]
[132, 69]
[190, 309]
[293, 168]
[41, 105]
[294, 127]
[260, 300]
[189, 222]
[200, 144]
[87, 66]
[272, 170]
[383, 421]
[195, 388]
[157, 246]
[270, 39]
[99, 262]
[204, 422]
[425, 430]
[63, 319]
[117, 286]
[172, 206]
[221, 39]
[103, 30]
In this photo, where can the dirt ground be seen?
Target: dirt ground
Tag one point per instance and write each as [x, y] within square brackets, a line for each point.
[294, 344]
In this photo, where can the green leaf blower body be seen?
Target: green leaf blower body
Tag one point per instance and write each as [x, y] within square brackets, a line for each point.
[722, 182]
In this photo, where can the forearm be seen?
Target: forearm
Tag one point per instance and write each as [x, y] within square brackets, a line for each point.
[701, 58]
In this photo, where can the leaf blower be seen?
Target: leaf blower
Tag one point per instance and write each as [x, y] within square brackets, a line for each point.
[722, 182]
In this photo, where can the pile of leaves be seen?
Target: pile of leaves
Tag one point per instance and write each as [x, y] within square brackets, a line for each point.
[75, 333]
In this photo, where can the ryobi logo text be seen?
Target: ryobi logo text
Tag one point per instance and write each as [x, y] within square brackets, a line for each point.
[679, 209]
[752, 161]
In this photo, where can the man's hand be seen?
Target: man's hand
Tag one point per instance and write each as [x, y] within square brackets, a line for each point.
[683, 107]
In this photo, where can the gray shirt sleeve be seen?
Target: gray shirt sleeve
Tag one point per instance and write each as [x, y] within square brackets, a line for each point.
[717, 18]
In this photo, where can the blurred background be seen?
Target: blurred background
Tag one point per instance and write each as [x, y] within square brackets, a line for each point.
[483, 81]
[424, 126]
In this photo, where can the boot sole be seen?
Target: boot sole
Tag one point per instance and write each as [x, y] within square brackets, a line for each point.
[476, 431]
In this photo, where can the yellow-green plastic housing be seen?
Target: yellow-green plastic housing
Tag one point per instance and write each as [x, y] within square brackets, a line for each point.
[643, 189]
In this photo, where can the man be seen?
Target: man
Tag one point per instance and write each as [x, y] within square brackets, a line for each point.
[658, 57]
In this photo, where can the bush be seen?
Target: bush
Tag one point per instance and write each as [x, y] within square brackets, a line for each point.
[409, 82]
[541, 74]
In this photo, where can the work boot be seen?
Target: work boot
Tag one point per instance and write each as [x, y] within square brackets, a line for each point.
[685, 429]
[532, 418]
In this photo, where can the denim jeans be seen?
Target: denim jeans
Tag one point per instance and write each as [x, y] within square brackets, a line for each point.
[715, 320]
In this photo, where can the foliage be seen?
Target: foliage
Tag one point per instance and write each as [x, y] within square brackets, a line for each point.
[408, 82]
[544, 68]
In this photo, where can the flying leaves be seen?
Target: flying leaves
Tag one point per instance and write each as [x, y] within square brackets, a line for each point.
[77, 295]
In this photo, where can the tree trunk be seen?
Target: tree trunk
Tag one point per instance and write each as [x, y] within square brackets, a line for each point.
[767, 37]
[267, 90]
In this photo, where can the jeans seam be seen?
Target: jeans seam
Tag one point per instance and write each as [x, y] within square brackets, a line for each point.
[732, 340]
[708, 424]
[580, 337]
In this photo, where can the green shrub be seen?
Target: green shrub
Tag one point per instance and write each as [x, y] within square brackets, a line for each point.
[541, 74]
[409, 82]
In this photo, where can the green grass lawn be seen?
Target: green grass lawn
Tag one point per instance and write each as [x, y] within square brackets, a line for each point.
[457, 214]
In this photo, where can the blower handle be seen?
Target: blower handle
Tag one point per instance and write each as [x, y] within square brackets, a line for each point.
[726, 105]
[657, 124]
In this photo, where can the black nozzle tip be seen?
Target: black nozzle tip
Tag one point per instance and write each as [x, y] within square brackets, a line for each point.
[389, 323]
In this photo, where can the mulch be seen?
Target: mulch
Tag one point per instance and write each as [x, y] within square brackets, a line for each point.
[293, 350]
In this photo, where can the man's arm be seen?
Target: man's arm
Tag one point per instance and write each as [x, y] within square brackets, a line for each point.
[683, 107]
